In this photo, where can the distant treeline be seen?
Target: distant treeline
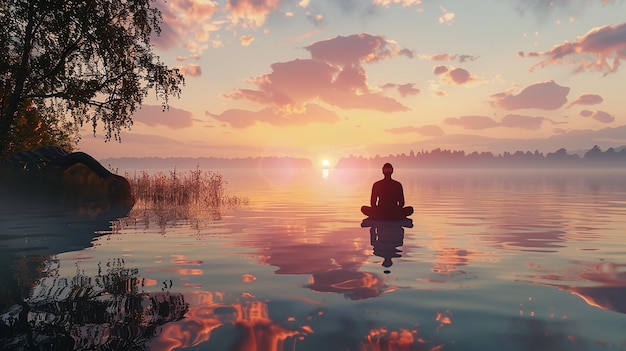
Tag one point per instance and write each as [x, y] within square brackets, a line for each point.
[438, 158]
[129, 163]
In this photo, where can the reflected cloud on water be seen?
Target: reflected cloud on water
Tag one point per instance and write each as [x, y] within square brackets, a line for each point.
[295, 272]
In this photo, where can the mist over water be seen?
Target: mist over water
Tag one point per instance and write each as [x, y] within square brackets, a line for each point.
[493, 260]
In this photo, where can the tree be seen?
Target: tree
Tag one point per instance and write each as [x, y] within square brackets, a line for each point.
[80, 62]
[31, 132]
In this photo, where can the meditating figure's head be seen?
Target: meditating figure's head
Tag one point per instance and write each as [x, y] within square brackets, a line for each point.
[387, 169]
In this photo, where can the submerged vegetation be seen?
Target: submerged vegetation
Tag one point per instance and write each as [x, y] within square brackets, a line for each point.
[172, 196]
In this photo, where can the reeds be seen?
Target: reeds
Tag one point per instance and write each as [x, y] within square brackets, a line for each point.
[197, 194]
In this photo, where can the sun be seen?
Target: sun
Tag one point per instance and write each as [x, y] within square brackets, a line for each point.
[325, 163]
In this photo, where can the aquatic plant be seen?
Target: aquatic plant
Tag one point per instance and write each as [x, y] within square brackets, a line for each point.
[166, 197]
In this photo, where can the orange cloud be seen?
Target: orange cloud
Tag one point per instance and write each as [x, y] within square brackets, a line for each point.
[446, 17]
[472, 122]
[544, 95]
[190, 70]
[599, 116]
[312, 113]
[251, 13]
[600, 49]
[587, 99]
[192, 20]
[246, 40]
[427, 130]
[153, 115]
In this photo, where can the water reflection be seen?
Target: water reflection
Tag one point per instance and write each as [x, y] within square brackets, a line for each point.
[386, 236]
[31, 233]
[105, 311]
[296, 270]
[601, 285]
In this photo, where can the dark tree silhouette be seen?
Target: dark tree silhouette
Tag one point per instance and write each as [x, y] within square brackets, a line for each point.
[89, 60]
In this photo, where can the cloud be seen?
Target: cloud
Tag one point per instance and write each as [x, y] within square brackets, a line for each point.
[246, 40]
[446, 17]
[448, 57]
[355, 49]
[335, 78]
[190, 70]
[544, 95]
[543, 8]
[153, 115]
[186, 23]
[311, 113]
[290, 83]
[600, 49]
[403, 3]
[454, 76]
[405, 90]
[587, 99]
[251, 13]
[472, 122]
[427, 130]
[600, 116]
[521, 121]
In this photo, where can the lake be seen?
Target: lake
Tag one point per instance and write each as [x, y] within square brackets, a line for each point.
[492, 260]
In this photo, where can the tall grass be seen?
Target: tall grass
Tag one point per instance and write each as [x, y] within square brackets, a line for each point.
[171, 196]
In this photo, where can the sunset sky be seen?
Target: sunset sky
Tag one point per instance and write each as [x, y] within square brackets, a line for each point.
[327, 78]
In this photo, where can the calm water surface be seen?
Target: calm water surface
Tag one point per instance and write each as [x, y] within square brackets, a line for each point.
[493, 260]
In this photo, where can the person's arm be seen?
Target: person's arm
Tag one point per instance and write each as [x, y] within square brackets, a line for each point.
[401, 199]
[374, 196]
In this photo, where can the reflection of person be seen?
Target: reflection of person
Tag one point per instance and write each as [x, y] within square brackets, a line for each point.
[386, 239]
[387, 199]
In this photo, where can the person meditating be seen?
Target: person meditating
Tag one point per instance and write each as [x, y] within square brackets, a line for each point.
[387, 200]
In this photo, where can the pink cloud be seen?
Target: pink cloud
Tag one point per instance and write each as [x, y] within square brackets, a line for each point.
[311, 113]
[404, 90]
[600, 49]
[355, 49]
[153, 115]
[292, 84]
[427, 130]
[521, 121]
[441, 69]
[455, 76]
[403, 3]
[544, 95]
[600, 116]
[472, 122]
[190, 70]
[587, 99]
[186, 23]
[251, 13]
[407, 89]
[448, 57]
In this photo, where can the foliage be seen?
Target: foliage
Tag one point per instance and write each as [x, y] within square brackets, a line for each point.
[439, 158]
[80, 62]
[31, 131]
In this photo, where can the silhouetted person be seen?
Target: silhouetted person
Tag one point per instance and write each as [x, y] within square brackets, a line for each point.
[387, 200]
